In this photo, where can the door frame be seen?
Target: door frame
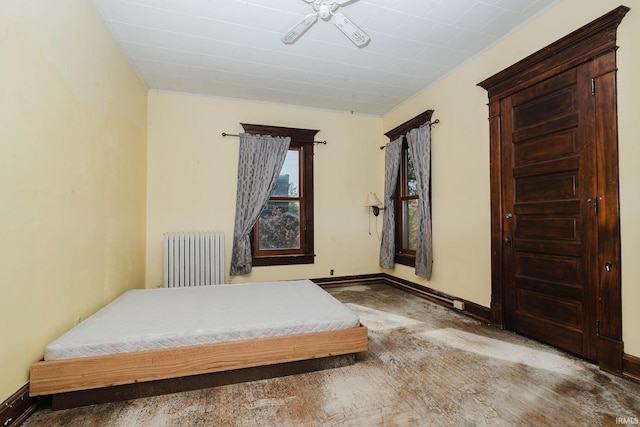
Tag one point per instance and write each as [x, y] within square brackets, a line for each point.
[595, 42]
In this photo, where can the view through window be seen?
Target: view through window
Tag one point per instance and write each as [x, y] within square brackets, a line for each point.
[279, 230]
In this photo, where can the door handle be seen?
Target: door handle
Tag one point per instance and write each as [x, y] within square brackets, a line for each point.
[508, 241]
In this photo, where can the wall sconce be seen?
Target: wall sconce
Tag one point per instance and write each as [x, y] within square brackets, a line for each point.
[374, 203]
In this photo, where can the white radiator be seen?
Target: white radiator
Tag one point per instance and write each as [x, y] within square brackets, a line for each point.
[193, 259]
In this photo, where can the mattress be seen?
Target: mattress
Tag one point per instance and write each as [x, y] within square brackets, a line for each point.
[153, 319]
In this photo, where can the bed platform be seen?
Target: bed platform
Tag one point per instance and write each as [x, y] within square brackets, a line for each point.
[164, 337]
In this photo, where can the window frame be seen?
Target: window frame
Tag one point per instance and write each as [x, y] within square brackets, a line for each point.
[303, 141]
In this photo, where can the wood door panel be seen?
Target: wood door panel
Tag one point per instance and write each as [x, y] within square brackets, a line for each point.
[545, 108]
[546, 187]
[545, 148]
[561, 290]
[550, 109]
[545, 128]
[553, 309]
[558, 335]
[546, 87]
[547, 228]
[548, 247]
[549, 207]
[559, 165]
[556, 269]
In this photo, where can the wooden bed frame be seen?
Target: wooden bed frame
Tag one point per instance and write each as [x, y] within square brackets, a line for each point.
[87, 373]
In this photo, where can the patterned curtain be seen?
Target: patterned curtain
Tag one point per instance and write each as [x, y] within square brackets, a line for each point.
[393, 153]
[260, 162]
[419, 141]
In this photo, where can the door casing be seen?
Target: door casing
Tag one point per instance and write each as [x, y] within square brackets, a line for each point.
[595, 42]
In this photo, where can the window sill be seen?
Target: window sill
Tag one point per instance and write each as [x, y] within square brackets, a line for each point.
[283, 260]
[405, 259]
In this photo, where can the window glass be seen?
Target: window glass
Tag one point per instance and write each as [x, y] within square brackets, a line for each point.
[279, 225]
[287, 184]
[410, 223]
[412, 183]
[407, 210]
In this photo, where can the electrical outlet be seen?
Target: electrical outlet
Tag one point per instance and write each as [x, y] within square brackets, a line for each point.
[458, 304]
[331, 272]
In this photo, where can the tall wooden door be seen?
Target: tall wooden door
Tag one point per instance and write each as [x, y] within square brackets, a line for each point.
[550, 229]
[555, 221]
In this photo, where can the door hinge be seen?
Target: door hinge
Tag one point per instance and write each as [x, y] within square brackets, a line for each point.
[597, 327]
[595, 206]
[593, 87]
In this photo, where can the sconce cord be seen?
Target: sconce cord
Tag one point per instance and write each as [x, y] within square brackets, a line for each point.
[377, 231]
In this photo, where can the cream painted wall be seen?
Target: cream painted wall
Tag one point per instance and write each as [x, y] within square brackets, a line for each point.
[192, 173]
[461, 211]
[72, 175]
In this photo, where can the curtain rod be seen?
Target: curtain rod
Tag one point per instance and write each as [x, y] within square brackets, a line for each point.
[435, 122]
[236, 135]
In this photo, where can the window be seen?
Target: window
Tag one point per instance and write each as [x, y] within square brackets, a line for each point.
[283, 233]
[406, 199]
[278, 228]
[407, 210]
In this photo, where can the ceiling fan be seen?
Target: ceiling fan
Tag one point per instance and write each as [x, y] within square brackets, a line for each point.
[325, 9]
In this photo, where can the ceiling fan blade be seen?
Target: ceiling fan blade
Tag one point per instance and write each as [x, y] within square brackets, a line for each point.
[351, 30]
[293, 34]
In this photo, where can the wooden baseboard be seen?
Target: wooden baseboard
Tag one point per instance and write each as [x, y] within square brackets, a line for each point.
[18, 407]
[363, 279]
[631, 367]
[470, 309]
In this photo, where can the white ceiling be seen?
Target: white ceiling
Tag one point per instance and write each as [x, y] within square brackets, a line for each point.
[232, 48]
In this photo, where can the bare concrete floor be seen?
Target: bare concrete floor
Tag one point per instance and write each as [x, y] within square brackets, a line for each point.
[426, 366]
